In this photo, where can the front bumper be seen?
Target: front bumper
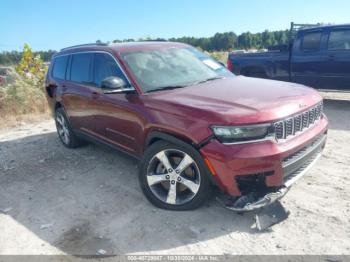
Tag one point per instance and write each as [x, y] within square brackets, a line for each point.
[271, 197]
[280, 164]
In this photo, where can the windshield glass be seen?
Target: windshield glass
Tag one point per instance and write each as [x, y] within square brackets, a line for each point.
[169, 68]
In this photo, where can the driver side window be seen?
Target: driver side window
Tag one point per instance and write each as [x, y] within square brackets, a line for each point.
[105, 66]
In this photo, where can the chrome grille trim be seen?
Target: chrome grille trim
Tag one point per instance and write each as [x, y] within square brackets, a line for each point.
[289, 127]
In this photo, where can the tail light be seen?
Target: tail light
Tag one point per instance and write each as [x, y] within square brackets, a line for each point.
[229, 65]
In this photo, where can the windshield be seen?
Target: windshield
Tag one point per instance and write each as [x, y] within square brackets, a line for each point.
[169, 68]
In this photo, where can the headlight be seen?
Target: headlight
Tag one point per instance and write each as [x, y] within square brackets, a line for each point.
[232, 134]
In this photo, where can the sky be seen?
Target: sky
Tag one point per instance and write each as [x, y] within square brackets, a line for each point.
[55, 24]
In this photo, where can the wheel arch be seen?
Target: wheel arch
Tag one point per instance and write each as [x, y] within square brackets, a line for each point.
[155, 136]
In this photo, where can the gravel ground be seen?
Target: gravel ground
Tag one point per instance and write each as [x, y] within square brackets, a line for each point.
[59, 201]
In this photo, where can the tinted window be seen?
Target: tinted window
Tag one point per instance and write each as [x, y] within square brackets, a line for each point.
[311, 41]
[105, 66]
[339, 40]
[80, 68]
[59, 67]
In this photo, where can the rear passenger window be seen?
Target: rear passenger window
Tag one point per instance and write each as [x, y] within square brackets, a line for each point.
[311, 41]
[81, 68]
[59, 67]
[104, 67]
[339, 40]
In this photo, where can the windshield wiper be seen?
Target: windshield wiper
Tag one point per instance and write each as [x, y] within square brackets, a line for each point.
[209, 79]
[181, 86]
[166, 88]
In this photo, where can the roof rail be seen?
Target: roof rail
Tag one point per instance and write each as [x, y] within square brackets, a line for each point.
[92, 44]
[153, 40]
[294, 28]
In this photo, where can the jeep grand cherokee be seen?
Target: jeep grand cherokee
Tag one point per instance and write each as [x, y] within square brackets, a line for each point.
[191, 122]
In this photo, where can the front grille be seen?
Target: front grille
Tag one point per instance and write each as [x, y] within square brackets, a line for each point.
[289, 127]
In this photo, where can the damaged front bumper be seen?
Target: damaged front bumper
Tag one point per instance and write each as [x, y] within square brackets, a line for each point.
[254, 201]
[258, 203]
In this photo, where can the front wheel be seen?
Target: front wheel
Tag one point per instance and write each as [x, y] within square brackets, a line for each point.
[174, 177]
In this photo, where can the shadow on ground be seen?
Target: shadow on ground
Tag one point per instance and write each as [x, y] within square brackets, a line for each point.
[88, 199]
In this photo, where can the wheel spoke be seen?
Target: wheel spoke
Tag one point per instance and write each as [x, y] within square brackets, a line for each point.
[162, 157]
[65, 130]
[171, 198]
[190, 185]
[59, 120]
[60, 131]
[66, 138]
[155, 179]
[185, 163]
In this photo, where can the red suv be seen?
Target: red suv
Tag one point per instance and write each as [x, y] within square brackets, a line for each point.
[191, 122]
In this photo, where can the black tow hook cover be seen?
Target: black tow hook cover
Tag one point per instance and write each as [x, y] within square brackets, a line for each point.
[270, 215]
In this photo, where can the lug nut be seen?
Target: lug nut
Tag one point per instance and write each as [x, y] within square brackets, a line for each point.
[170, 170]
[167, 176]
[177, 171]
[172, 182]
[179, 179]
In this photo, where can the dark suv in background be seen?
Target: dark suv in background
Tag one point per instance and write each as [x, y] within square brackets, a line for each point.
[191, 122]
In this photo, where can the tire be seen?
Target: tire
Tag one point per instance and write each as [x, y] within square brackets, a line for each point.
[65, 131]
[189, 181]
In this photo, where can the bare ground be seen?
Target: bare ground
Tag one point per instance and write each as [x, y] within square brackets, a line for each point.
[54, 200]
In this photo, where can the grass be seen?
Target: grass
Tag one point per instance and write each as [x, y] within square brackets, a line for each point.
[20, 99]
[219, 56]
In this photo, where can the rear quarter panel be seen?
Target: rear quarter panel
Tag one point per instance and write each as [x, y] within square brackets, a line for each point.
[274, 64]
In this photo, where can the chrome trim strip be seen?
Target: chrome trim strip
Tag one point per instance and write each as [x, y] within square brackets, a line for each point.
[120, 133]
[268, 138]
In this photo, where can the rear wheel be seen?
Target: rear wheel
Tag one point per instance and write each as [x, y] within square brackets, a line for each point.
[174, 177]
[64, 130]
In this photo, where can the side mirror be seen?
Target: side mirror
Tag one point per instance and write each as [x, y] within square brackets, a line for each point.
[113, 83]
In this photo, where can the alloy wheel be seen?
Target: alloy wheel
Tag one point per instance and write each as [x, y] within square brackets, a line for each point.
[173, 177]
[62, 128]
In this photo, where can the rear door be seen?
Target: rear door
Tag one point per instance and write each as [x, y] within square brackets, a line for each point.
[79, 92]
[308, 59]
[338, 59]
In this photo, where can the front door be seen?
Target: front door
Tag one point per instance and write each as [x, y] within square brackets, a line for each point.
[119, 120]
[338, 59]
[308, 59]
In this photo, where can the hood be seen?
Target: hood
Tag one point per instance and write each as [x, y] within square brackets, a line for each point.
[236, 100]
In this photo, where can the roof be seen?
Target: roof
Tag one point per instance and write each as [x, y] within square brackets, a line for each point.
[324, 26]
[120, 47]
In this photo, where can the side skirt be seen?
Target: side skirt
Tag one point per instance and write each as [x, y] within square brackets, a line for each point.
[97, 141]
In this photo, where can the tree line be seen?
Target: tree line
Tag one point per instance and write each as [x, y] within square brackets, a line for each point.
[229, 40]
[14, 57]
[219, 42]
